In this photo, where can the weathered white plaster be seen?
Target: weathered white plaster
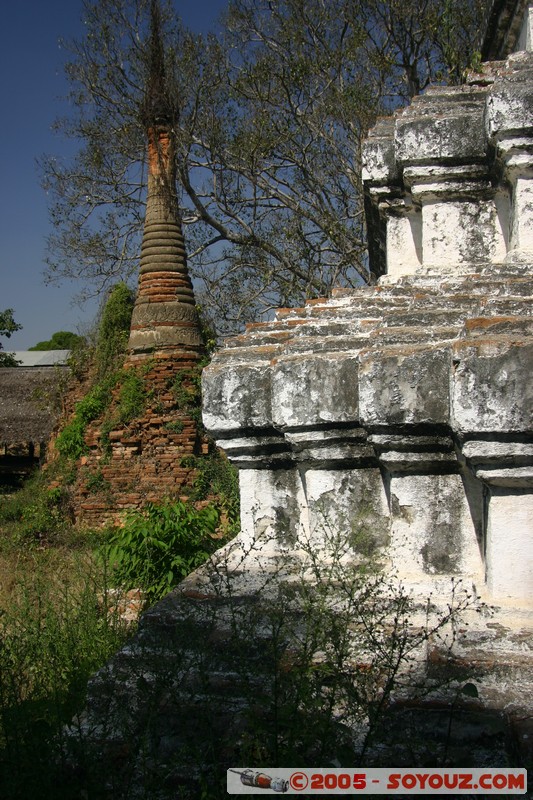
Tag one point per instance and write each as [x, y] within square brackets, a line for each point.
[491, 389]
[308, 404]
[502, 202]
[404, 385]
[433, 533]
[510, 546]
[459, 233]
[525, 38]
[350, 502]
[233, 390]
[272, 508]
[404, 242]
[522, 211]
[400, 415]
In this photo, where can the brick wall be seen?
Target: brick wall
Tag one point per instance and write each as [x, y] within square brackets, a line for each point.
[146, 460]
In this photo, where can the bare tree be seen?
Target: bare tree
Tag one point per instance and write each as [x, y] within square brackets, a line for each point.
[268, 127]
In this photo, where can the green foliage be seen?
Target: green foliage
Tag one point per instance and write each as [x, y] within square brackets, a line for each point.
[61, 340]
[51, 395]
[8, 360]
[217, 477]
[44, 518]
[186, 388]
[7, 327]
[107, 358]
[160, 545]
[317, 653]
[187, 391]
[457, 38]
[174, 427]
[71, 441]
[52, 638]
[114, 329]
[7, 323]
[131, 401]
[132, 396]
[39, 514]
[96, 482]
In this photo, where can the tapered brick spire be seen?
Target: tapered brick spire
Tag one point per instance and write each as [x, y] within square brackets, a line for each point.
[164, 319]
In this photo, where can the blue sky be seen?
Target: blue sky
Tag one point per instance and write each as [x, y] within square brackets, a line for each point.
[31, 87]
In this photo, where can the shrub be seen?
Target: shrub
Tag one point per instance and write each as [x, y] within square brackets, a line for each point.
[53, 636]
[176, 426]
[36, 512]
[114, 328]
[186, 388]
[71, 441]
[96, 482]
[216, 476]
[132, 397]
[325, 646]
[160, 545]
[61, 340]
[131, 402]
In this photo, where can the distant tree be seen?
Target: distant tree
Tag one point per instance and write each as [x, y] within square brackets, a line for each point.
[61, 340]
[268, 128]
[7, 327]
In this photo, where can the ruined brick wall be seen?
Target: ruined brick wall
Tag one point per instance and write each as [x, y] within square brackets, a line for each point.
[147, 460]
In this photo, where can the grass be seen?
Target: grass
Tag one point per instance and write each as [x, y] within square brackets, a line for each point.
[320, 654]
[55, 631]
[57, 627]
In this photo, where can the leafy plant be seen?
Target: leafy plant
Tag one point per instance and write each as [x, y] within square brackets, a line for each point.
[52, 637]
[114, 328]
[175, 426]
[160, 545]
[36, 512]
[186, 388]
[96, 482]
[132, 397]
[71, 441]
[187, 391]
[217, 477]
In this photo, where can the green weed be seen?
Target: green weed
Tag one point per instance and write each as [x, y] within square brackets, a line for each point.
[176, 426]
[96, 482]
[132, 397]
[35, 513]
[71, 441]
[216, 476]
[53, 636]
[160, 545]
[114, 329]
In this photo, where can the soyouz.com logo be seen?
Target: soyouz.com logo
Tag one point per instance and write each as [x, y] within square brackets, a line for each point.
[377, 781]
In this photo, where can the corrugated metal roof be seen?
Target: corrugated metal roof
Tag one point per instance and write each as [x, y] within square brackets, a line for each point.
[41, 358]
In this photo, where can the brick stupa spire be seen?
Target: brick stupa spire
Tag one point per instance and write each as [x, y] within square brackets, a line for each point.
[144, 460]
[165, 320]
